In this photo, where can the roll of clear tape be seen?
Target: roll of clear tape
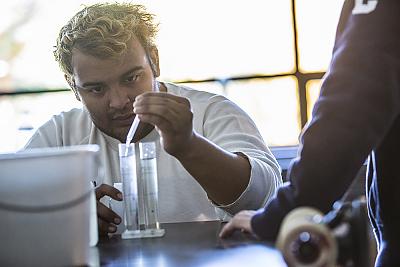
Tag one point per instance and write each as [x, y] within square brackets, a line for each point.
[304, 241]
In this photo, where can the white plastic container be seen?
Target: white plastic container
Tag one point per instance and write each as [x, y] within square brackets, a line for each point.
[45, 206]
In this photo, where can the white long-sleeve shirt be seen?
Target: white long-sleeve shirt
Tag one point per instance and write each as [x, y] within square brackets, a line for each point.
[181, 198]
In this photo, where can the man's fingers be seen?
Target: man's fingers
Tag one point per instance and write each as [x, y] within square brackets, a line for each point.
[161, 123]
[106, 214]
[161, 97]
[241, 221]
[105, 227]
[227, 230]
[108, 190]
[107, 219]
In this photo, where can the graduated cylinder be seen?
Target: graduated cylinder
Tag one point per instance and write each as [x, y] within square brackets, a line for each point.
[140, 188]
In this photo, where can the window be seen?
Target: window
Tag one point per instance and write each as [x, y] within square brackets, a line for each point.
[262, 52]
[272, 104]
[316, 26]
[313, 88]
[22, 114]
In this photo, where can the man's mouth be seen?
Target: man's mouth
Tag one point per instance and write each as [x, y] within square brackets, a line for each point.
[123, 119]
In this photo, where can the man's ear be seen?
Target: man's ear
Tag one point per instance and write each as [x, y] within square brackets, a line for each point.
[154, 61]
[72, 85]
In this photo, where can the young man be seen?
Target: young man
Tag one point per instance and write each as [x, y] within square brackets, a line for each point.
[356, 114]
[211, 157]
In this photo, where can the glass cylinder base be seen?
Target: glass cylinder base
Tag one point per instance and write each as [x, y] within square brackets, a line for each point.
[129, 234]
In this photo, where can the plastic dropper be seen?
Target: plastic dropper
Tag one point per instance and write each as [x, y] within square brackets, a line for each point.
[135, 123]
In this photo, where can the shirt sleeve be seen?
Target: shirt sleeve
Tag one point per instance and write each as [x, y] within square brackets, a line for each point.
[46, 135]
[358, 103]
[229, 127]
[65, 129]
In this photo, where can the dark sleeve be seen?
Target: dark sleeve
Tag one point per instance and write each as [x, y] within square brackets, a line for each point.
[359, 101]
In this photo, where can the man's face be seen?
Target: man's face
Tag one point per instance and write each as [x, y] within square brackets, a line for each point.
[108, 88]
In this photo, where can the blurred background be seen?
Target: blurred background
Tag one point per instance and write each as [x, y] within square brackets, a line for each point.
[266, 56]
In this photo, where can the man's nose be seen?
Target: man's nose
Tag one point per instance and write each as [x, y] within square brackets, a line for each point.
[119, 97]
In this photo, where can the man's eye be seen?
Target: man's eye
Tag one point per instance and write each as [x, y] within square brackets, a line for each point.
[132, 78]
[96, 90]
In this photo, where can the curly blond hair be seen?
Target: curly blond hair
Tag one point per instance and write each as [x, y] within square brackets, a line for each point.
[103, 30]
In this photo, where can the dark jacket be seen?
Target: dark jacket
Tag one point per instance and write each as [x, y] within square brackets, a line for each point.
[356, 115]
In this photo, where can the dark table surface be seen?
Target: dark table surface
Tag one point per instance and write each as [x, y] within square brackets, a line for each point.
[187, 244]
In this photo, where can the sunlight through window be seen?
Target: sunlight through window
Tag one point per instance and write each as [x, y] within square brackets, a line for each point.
[209, 42]
[316, 23]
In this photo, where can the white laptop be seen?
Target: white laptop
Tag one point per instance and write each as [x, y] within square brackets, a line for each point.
[45, 205]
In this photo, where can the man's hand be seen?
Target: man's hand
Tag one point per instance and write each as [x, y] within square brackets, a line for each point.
[241, 221]
[172, 117]
[107, 219]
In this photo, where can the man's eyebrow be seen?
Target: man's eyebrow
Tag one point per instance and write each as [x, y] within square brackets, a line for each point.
[90, 84]
[132, 70]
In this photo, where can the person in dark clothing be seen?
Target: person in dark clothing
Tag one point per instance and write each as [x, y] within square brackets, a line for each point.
[356, 116]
